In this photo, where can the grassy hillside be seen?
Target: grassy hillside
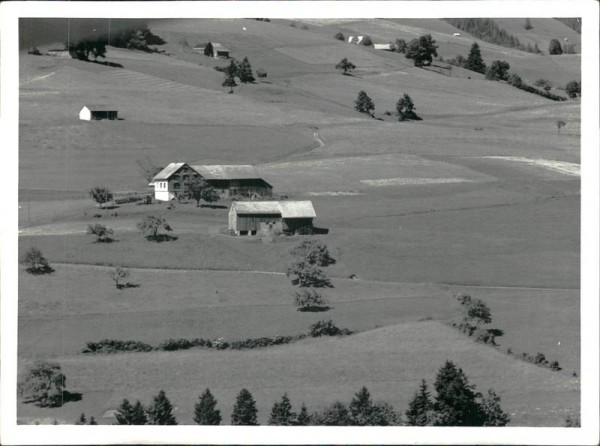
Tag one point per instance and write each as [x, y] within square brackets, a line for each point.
[481, 196]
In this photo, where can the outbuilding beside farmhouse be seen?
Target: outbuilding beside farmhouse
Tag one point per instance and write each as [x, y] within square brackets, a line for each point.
[270, 217]
[98, 111]
[384, 46]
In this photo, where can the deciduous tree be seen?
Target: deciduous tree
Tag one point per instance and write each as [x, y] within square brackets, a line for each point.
[498, 71]
[210, 194]
[573, 89]
[101, 195]
[560, 123]
[422, 50]
[43, 383]
[101, 232]
[493, 413]
[229, 82]
[405, 109]
[35, 262]
[345, 65]
[364, 104]
[554, 48]
[244, 71]
[118, 275]
[151, 225]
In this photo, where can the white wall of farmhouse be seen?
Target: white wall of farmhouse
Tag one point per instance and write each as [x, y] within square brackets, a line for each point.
[162, 192]
[85, 114]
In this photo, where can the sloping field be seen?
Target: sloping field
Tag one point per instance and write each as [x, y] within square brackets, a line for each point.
[543, 31]
[58, 314]
[390, 361]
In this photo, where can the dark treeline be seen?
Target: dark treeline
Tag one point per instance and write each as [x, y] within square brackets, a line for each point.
[44, 31]
[489, 31]
[572, 22]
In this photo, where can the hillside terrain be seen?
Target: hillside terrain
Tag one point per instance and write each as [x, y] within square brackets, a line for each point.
[482, 196]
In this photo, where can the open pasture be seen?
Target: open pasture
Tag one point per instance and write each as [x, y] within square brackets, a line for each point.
[390, 361]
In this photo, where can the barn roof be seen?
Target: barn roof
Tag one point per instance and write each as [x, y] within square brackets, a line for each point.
[226, 172]
[219, 47]
[297, 209]
[287, 209]
[166, 173]
[100, 107]
[256, 207]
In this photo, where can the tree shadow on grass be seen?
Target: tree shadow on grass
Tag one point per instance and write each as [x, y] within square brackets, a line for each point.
[213, 206]
[71, 396]
[108, 64]
[162, 238]
[41, 270]
[123, 286]
[315, 309]
[496, 332]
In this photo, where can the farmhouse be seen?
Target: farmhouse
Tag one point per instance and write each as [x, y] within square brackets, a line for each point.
[269, 217]
[355, 39]
[384, 46]
[228, 180]
[97, 111]
[59, 52]
[216, 50]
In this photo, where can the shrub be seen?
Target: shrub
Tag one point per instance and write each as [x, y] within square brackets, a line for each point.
[554, 365]
[101, 194]
[573, 89]
[261, 73]
[339, 36]
[366, 41]
[176, 344]
[101, 232]
[308, 299]
[484, 336]
[118, 275]
[401, 46]
[34, 51]
[36, 263]
[554, 48]
[43, 383]
[327, 328]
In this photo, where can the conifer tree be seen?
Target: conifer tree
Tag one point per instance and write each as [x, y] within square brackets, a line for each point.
[282, 414]
[303, 418]
[205, 412]
[493, 413]
[419, 411]
[244, 71]
[475, 61]
[455, 403]
[244, 410]
[81, 420]
[160, 412]
[554, 48]
[131, 415]
[361, 407]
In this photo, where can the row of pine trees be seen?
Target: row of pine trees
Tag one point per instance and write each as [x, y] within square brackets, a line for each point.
[457, 403]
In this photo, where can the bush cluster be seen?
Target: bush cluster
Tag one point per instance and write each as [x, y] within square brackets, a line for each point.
[105, 346]
[116, 346]
[540, 359]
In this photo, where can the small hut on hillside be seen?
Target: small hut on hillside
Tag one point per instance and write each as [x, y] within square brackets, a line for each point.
[98, 111]
[216, 50]
[270, 217]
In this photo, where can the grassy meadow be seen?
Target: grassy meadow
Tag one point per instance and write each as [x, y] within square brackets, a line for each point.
[482, 196]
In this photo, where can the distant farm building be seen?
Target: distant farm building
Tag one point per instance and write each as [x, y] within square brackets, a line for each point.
[355, 39]
[228, 180]
[97, 111]
[384, 46]
[216, 50]
[270, 217]
[59, 52]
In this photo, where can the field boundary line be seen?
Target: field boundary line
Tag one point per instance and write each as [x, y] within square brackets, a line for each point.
[278, 273]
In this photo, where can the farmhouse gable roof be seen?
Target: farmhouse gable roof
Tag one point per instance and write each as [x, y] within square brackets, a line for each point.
[99, 107]
[297, 209]
[167, 172]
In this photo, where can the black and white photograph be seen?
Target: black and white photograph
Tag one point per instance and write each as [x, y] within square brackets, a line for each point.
[313, 219]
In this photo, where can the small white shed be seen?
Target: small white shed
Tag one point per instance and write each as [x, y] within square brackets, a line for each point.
[97, 111]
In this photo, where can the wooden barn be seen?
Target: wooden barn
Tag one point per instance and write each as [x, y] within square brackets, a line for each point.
[384, 46]
[229, 180]
[216, 50]
[270, 217]
[234, 180]
[97, 111]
